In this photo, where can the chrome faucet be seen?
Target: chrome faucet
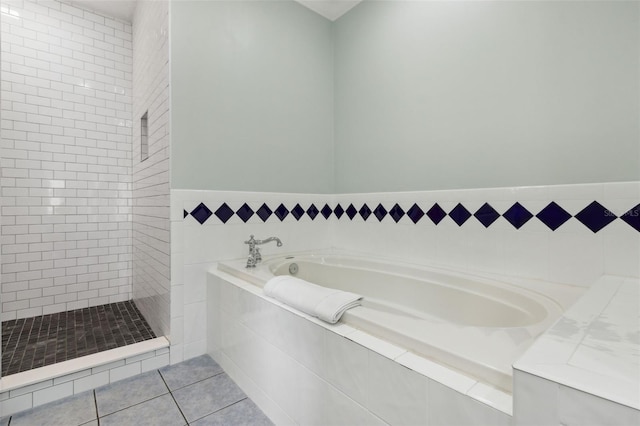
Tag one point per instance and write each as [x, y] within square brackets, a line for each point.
[254, 252]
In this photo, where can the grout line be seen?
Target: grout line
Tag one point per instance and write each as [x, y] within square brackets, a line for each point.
[197, 381]
[95, 402]
[174, 399]
[223, 408]
[137, 403]
[201, 380]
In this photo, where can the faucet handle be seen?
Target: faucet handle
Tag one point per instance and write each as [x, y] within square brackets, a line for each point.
[251, 240]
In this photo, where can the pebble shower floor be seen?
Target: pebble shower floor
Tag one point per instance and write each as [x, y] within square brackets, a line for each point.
[34, 342]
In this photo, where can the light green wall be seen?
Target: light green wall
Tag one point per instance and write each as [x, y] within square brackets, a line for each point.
[396, 96]
[438, 95]
[252, 97]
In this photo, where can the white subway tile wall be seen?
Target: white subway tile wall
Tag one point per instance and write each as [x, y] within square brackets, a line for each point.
[66, 158]
[151, 239]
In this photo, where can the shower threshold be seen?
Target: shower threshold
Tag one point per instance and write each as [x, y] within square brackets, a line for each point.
[30, 343]
[86, 366]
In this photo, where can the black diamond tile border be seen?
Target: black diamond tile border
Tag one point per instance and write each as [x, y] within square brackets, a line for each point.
[281, 212]
[415, 213]
[380, 212]
[297, 211]
[34, 342]
[486, 215]
[312, 211]
[436, 214]
[224, 213]
[396, 213]
[632, 217]
[517, 215]
[264, 212]
[245, 212]
[595, 216]
[553, 216]
[326, 211]
[459, 214]
[365, 211]
[351, 211]
[202, 213]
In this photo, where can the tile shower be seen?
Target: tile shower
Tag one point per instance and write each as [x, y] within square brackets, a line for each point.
[66, 159]
[68, 239]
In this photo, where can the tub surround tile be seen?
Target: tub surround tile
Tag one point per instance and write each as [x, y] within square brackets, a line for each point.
[345, 411]
[312, 391]
[341, 367]
[521, 248]
[437, 372]
[396, 394]
[492, 397]
[347, 366]
[543, 401]
[280, 376]
[446, 406]
[306, 343]
[261, 399]
[579, 408]
[534, 393]
[375, 344]
[577, 351]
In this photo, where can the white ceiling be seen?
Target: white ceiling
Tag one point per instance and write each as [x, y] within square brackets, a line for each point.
[330, 9]
[123, 9]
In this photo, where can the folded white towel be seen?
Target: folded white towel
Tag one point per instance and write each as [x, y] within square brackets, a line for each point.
[328, 304]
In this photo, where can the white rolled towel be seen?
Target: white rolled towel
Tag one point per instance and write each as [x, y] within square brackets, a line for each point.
[328, 304]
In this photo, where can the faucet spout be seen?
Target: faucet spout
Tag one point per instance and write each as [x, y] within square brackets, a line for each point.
[268, 240]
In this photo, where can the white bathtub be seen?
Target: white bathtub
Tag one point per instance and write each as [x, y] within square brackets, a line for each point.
[471, 324]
